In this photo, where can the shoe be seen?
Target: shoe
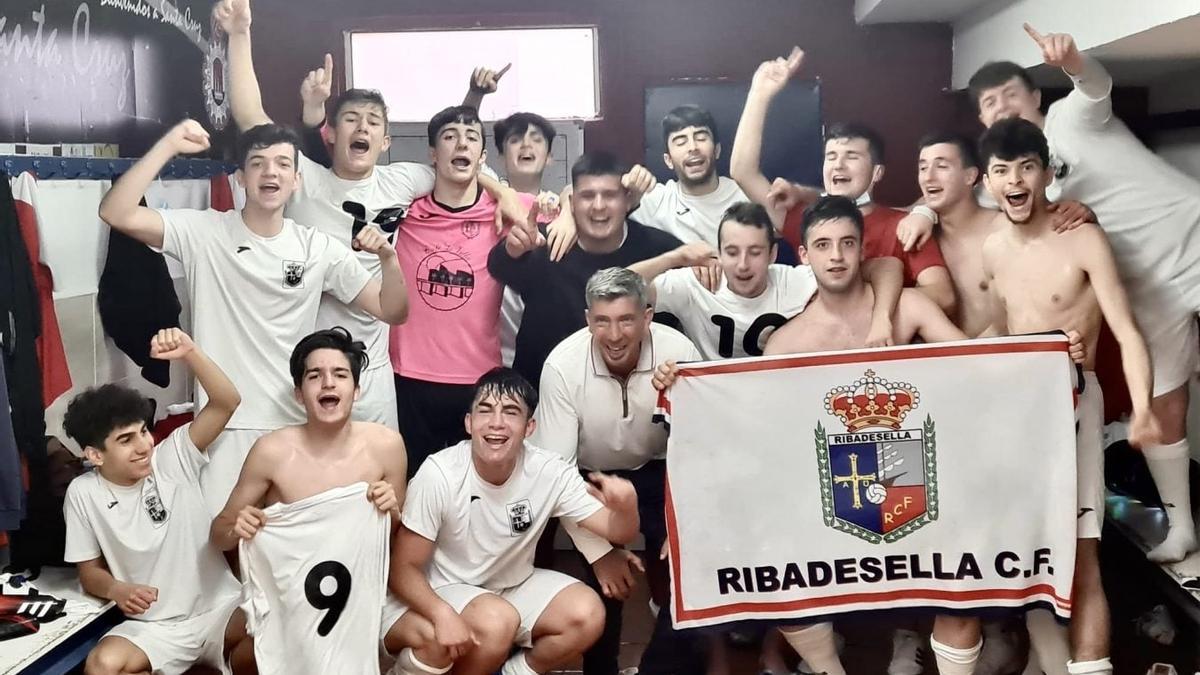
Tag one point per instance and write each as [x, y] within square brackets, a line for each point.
[1157, 625]
[907, 652]
[999, 655]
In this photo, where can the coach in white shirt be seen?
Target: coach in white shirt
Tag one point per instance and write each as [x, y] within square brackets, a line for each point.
[597, 407]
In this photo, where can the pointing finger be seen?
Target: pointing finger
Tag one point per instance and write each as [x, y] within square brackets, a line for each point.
[502, 71]
[1032, 32]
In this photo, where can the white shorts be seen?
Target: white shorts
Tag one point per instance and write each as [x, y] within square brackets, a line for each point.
[1168, 322]
[175, 646]
[225, 458]
[530, 598]
[1089, 459]
[377, 402]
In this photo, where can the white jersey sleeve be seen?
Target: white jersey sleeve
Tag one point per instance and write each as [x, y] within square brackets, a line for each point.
[82, 544]
[1090, 101]
[414, 179]
[178, 459]
[315, 580]
[650, 207]
[674, 291]
[425, 501]
[186, 231]
[574, 502]
[558, 420]
[346, 277]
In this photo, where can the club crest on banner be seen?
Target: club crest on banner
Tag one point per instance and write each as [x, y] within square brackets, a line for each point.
[878, 480]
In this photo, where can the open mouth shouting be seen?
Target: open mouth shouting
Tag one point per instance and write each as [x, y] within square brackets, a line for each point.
[270, 188]
[329, 401]
[359, 147]
[495, 441]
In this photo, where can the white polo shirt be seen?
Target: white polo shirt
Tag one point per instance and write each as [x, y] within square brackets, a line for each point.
[594, 418]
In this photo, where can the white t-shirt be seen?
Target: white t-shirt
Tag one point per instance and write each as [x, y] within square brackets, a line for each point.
[690, 218]
[173, 555]
[726, 325]
[592, 418]
[253, 298]
[486, 534]
[315, 583]
[1149, 209]
[381, 196]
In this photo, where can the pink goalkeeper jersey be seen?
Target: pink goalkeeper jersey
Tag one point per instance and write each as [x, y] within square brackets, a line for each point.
[452, 334]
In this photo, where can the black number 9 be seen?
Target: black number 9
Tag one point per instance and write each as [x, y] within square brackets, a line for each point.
[334, 602]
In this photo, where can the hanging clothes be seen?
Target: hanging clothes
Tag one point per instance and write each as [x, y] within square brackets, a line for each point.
[12, 489]
[52, 357]
[136, 299]
[20, 323]
[220, 193]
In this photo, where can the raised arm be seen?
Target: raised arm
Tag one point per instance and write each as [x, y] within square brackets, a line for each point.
[1091, 101]
[245, 98]
[223, 398]
[242, 516]
[484, 81]
[385, 299]
[745, 162]
[120, 207]
[1097, 260]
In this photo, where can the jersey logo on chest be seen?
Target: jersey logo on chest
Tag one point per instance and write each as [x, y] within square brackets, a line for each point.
[293, 274]
[520, 516]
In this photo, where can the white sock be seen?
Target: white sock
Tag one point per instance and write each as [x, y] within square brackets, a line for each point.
[517, 665]
[815, 644]
[1048, 640]
[1085, 667]
[1169, 465]
[954, 661]
[407, 663]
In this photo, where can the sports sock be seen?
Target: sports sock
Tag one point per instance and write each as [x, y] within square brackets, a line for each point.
[1085, 667]
[954, 661]
[407, 663]
[1169, 465]
[517, 665]
[815, 644]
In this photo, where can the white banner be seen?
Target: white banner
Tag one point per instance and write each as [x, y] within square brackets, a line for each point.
[931, 476]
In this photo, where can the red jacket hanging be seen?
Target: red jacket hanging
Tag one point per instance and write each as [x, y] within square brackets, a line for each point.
[56, 377]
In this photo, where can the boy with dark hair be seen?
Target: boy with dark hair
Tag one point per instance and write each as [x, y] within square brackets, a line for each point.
[524, 139]
[312, 515]
[136, 524]
[443, 246]
[237, 263]
[852, 166]
[463, 561]
[356, 194]
[1151, 211]
[1040, 281]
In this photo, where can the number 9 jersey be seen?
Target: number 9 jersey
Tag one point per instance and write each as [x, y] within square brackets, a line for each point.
[314, 581]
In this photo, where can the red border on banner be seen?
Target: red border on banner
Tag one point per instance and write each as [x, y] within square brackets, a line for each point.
[825, 359]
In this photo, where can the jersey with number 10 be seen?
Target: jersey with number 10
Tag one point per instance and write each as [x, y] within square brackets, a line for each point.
[314, 582]
[725, 325]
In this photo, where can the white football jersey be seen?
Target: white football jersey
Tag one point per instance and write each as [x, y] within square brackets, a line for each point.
[688, 217]
[314, 582]
[725, 325]
[332, 205]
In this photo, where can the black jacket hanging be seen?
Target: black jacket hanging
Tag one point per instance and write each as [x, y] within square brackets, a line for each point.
[136, 299]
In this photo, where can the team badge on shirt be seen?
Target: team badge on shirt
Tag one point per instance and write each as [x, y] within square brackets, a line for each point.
[878, 481]
[470, 228]
[520, 517]
[293, 273]
[445, 280]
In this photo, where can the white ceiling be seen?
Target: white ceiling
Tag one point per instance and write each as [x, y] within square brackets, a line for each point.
[912, 11]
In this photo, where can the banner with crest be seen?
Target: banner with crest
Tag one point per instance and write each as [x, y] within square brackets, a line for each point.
[927, 476]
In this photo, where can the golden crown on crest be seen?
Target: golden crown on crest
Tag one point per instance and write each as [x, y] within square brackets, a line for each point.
[872, 401]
